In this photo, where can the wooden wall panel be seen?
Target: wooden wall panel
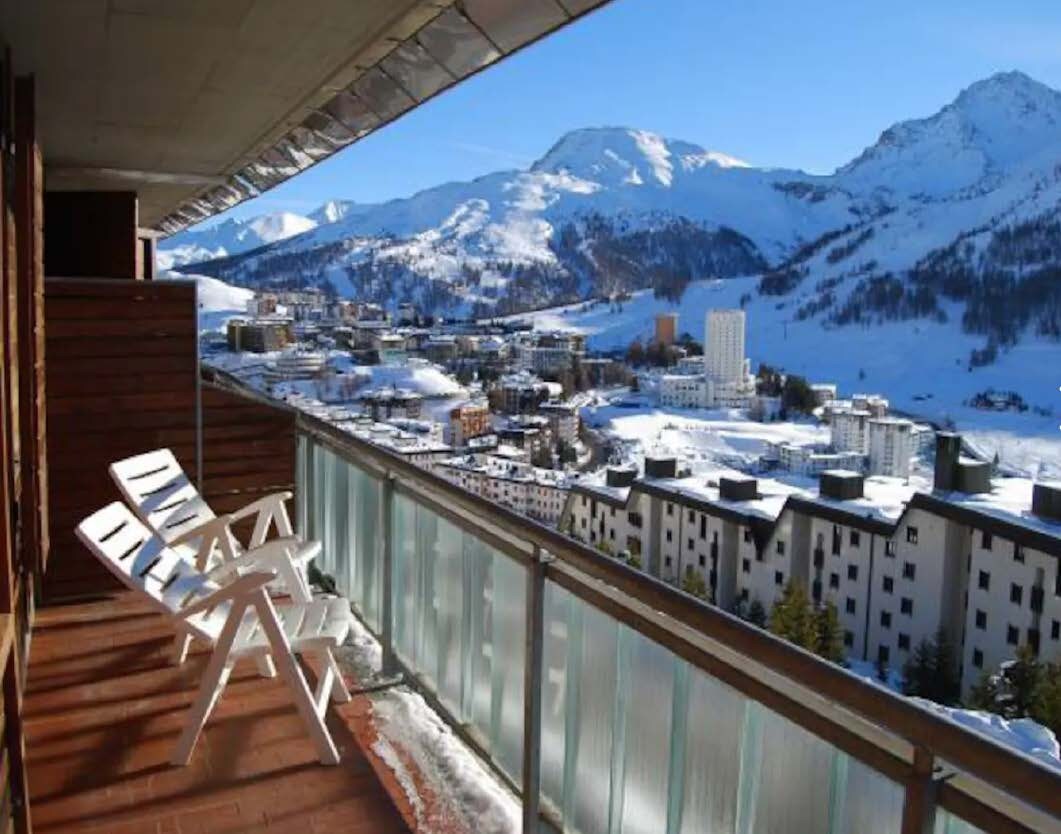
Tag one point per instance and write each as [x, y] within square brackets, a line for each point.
[248, 450]
[121, 377]
[91, 233]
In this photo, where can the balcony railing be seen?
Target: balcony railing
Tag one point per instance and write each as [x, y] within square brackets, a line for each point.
[612, 702]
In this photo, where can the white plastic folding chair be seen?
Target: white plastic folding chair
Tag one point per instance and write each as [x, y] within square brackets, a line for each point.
[157, 488]
[238, 618]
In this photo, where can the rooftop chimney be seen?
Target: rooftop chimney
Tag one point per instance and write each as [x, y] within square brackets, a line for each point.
[1046, 501]
[661, 467]
[620, 476]
[948, 449]
[841, 485]
[738, 489]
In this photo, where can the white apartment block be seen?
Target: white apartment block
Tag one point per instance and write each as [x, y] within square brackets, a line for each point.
[683, 391]
[899, 563]
[849, 431]
[891, 444]
[724, 360]
[809, 460]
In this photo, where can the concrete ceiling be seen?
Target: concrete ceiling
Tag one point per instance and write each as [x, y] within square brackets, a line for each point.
[200, 104]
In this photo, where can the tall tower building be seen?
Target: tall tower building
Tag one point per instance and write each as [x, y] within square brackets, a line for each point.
[666, 328]
[724, 360]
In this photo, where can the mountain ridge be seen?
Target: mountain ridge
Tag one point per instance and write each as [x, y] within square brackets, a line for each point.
[608, 210]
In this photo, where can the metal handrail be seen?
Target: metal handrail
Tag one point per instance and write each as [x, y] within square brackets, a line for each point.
[667, 615]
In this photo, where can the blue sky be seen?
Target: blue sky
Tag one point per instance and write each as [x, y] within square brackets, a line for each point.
[774, 82]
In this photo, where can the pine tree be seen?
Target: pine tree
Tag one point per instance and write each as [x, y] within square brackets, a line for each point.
[792, 617]
[757, 614]
[1046, 703]
[693, 583]
[829, 637]
[931, 673]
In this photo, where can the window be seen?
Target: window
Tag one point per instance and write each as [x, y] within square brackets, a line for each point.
[984, 581]
[703, 562]
[849, 639]
[1033, 639]
[882, 654]
[780, 548]
[849, 605]
[779, 578]
[1055, 630]
[1016, 594]
[906, 606]
[985, 540]
[1018, 553]
[747, 534]
[1012, 635]
[889, 548]
[667, 561]
[834, 580]
[909, 571]
[583, 524]
[669, 536]
[981, 619]
[855, 538]
[911, 535]
[888, 584]
[852, 572]
[670, 509]
[885, 619]
[703, 526]
[691, 544]
[692, 516]
[978, 659]
[904, 642]
[746, 566]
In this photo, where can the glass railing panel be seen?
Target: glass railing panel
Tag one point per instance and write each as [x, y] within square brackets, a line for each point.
[714, 725]
[459, 624]
[364, 574]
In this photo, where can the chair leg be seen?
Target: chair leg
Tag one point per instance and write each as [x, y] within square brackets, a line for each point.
[289, 670]
[340, 694]
[181, 643]
[214, 679]
[266, 668]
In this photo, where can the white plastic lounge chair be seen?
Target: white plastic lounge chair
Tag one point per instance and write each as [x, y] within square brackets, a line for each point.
[238, 619]
[157, 488]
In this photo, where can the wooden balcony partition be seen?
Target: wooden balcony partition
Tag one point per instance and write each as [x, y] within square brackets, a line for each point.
[122, 378]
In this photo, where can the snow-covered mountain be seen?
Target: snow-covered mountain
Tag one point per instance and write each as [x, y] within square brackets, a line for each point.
[928, 222]
[232, 237]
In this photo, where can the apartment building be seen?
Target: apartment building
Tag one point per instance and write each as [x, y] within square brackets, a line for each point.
[683, 391]
[891, 445]
[724, 360]
[849, 430]
[538, 493]
[666, 331]
[467, 421]
[564, 420]
[901, 561]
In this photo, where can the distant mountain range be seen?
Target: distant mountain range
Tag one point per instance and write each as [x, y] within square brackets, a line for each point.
[953, 216]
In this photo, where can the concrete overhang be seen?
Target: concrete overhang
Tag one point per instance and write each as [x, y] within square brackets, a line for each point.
[198, 105]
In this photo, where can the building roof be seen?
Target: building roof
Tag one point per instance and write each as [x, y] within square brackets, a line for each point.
[198, 105]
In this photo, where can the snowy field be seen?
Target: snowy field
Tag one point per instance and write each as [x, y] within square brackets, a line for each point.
[920, 366]
[719, 437]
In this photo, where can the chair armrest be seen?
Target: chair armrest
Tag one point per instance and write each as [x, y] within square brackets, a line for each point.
[268, 502]
[272, 556]
[212, 528]
[246, 584]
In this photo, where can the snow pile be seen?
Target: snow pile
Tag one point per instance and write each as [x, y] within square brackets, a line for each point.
[447, 769]
[1021, 734]
[416, 375]
[427, 759]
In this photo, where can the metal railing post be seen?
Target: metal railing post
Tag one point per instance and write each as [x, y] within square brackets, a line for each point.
[388, 666]
[919, 798]
[532, 690]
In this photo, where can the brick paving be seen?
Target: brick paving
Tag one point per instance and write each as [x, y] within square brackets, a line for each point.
[103, 709]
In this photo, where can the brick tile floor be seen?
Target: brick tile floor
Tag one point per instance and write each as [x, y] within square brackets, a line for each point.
[103, 710]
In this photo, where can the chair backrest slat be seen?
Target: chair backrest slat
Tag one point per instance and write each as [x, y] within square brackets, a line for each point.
[157, 488]
[144, 563]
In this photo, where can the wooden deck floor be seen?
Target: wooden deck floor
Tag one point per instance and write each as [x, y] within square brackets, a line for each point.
[103, 710]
